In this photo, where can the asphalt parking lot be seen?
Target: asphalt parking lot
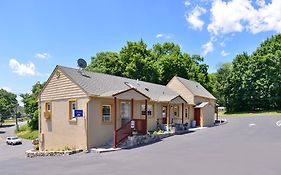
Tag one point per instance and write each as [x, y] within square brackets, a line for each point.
[245, 145]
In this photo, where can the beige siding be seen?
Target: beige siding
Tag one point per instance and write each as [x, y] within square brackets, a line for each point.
[61, 88]
[99, 132]
[178, 87]
[59, 132]
[208, 114]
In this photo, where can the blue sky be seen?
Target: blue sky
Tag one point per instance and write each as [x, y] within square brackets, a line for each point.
[35, 36]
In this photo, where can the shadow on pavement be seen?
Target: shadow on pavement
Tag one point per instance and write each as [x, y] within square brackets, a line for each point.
[7, 126]
[2, 132]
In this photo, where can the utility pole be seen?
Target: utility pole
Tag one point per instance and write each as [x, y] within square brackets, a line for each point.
[16, 115]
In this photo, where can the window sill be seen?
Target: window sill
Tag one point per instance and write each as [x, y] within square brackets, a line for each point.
[72, 120]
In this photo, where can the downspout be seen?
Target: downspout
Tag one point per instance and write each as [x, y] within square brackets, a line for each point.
[87, 126]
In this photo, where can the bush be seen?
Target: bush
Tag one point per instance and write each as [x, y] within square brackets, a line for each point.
[26, 132]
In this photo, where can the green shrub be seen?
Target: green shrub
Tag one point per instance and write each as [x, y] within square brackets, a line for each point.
[26, 132]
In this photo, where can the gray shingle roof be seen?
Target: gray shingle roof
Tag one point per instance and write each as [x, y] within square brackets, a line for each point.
[105, 85]
[201, 105]
[196, 88]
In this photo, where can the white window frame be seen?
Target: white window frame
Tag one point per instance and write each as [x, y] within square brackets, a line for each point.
[149, 110]
[106, 116]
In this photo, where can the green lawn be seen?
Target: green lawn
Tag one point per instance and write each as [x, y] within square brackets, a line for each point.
[9, 121]
[259, 113]
[26, 133]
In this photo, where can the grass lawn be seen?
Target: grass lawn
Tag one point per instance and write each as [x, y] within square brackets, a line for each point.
[9, 121]
[26, 133]
[258, 113]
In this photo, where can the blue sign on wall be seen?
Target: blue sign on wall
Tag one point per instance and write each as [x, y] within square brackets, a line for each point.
[78, 113]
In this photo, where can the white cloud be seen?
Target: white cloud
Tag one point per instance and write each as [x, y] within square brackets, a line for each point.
[207, 47]
[159, 35]
[163, 35]
[224, 53]
[240, 15]
[222, 44]
[19, 99]
[6, 88]
[43, 56]
[193, 18]
[187, 3]
[22, 69]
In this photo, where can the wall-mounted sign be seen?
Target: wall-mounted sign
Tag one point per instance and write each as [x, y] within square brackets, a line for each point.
[78, 113]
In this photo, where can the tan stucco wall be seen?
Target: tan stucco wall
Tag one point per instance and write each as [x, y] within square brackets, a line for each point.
[208, 114]
[178, 87]
[59, 132]
[61, 88]
[99, 132]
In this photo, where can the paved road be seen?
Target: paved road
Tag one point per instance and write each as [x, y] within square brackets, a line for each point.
[245, 145]
[9, 152]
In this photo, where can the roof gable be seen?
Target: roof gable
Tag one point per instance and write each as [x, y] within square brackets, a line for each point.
[195, 88]
[100, 84]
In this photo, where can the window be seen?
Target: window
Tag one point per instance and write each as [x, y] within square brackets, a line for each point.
[149, 110]
[106, 113]
[48, 110]
[48, 107]
[176, 111]
[72, 107]
[164, 112]
[186, 113]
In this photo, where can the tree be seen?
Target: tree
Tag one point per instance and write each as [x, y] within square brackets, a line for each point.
[218, 81]
[31, 104]
[255, 80]
[157, 65]
[8, 104]
[138, 62]
[107, 62]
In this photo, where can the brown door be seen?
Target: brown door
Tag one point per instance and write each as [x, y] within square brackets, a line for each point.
[164, 115]
[197, 116]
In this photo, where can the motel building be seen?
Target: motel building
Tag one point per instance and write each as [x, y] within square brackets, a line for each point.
[83, 110]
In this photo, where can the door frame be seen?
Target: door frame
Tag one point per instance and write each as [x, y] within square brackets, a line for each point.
[197, 116]
[164, 118]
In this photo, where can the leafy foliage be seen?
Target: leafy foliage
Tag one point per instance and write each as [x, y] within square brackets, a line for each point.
[219, 82]
[157, 65]
[31, 105]
[8, 104]
[254, 82]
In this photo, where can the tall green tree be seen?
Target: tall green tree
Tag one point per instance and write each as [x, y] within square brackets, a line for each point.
[157, 64]
[8, 104]
[107, 62]
[138, 62]
[31, 104]
[255, 80]
[218, 81]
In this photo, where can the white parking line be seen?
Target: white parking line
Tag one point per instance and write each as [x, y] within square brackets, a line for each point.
[252, 124]
[278, 123]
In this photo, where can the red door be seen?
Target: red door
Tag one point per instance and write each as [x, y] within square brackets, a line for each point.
[197, 116]
[164, 115]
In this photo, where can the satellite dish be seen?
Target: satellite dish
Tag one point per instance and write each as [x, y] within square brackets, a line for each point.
[81, 63]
